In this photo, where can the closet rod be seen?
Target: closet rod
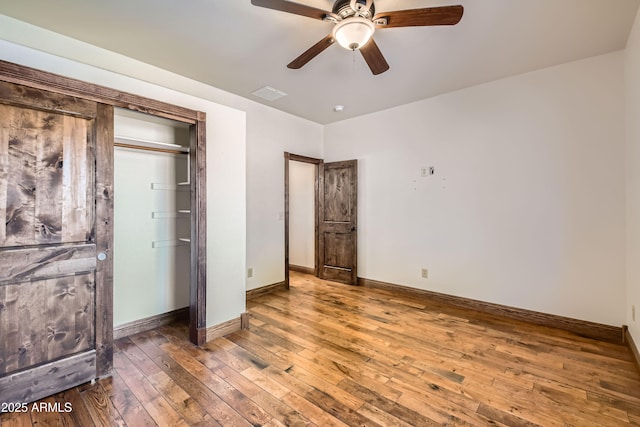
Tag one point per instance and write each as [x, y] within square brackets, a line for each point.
[139, 147]
[145, 144]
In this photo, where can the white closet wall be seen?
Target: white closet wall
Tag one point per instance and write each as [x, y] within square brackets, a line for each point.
[151, 263]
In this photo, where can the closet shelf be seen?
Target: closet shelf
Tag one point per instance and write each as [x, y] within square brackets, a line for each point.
[167, 243]
[145, 144]
[170, 214]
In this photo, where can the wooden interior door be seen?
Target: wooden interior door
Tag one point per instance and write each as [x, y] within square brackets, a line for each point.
[338, 221]
[55, 307]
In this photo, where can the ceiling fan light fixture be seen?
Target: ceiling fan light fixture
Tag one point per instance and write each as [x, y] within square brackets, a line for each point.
[353, 33]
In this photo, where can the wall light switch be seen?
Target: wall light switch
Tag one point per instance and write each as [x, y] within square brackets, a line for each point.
[427, 171]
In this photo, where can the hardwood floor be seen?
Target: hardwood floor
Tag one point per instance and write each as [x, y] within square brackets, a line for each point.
[329, 354]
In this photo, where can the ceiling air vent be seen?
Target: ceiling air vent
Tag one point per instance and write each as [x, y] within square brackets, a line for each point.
[268, 93]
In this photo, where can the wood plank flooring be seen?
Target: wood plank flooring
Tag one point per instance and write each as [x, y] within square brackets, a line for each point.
[328, 354]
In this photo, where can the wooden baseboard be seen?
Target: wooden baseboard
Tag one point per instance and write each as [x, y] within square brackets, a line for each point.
[225, 328]
[301, 269]
[244, 320]
[632, 346]
[149, 323]
[252, 293]
[581, 327]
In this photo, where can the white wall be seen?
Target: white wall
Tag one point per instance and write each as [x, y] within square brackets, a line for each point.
[150, 264]
[527, 204]
[269, 135]
[302, 177]
[632, 91]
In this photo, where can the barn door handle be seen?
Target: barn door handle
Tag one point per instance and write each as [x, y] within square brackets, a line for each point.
[102, 256]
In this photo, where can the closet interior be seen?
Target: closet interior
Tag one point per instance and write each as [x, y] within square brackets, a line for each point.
[151, 261]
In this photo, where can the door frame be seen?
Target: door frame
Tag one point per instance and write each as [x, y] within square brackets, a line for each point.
[110, 98]
[318, 171]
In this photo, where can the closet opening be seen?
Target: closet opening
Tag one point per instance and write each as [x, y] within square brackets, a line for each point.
[152, 222]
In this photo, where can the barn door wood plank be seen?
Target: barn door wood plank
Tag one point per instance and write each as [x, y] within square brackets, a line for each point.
[24, 96]
[48, 220]
[4, 167]
[104, 239]
[23, 265]
[76, 212]
[47, 379]
[20, 218]
[46, 320]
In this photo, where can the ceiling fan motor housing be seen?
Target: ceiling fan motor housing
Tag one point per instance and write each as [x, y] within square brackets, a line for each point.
[343, 9]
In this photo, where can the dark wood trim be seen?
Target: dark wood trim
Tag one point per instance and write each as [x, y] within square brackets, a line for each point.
[628, 339]
[303, 159]
[36, 383]
[301, 269]
[198, 282]
[60, 84]
[580, 327]
[104, 239]
[253, 293]
[224, 328]
[287, 157]
[245, 320]
[318, 162]
[149, 323]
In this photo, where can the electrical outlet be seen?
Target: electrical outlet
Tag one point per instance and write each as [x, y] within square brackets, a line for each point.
[425, 273]
[249, 272]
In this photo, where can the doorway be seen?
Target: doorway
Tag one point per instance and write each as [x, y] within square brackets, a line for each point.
[334, 217]
[151, 260]
[296, 222]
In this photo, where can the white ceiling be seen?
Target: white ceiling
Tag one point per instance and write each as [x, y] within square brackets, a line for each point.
[235, 46]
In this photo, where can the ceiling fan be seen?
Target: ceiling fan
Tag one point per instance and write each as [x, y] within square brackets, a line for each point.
[356, 21]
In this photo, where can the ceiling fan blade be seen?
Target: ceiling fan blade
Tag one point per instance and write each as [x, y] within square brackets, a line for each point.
[373, 56]
[311, 53]
[291, 7]
[445, 15]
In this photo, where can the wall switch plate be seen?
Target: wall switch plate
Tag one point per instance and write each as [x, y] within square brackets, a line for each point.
[425, 273]
[280, 216]
[249, 272]
[427, 171]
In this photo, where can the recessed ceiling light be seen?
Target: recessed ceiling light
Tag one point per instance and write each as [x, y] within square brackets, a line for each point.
[338, 108]
[268, 93]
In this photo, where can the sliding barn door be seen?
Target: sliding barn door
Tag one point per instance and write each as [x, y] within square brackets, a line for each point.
[54, 262]
[338, 225]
